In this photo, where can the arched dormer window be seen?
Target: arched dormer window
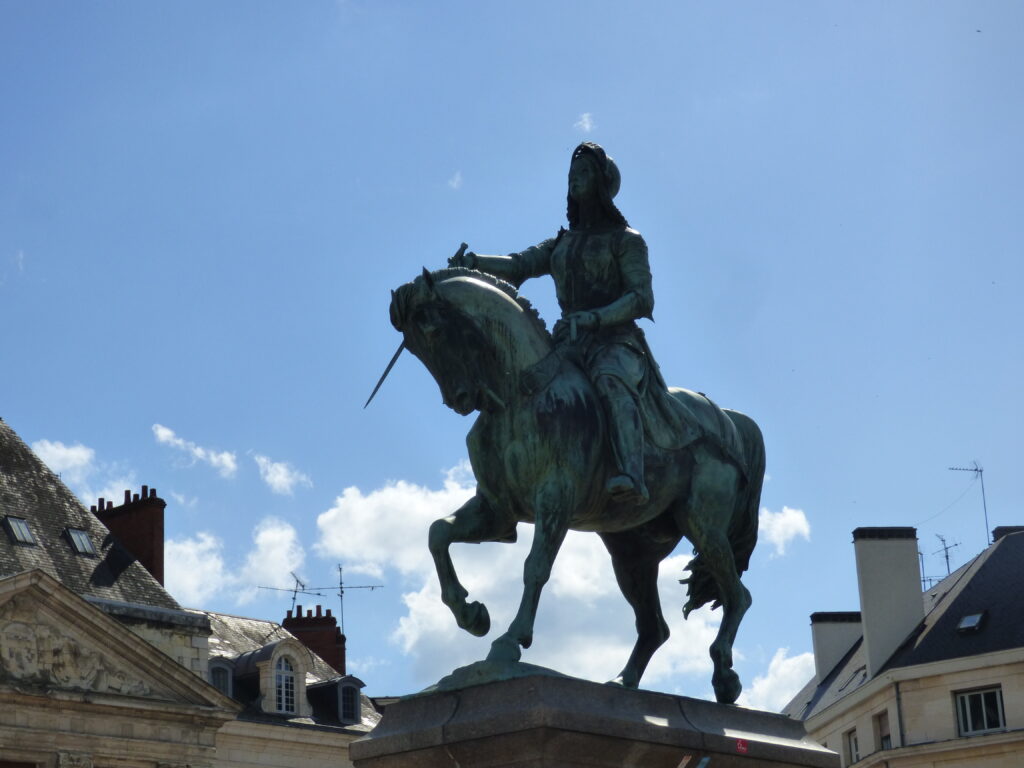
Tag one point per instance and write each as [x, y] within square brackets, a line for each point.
[284, 685]
[349, 705]
[222, 673]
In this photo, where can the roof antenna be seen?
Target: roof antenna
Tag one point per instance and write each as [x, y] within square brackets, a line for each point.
[299, 586]
[945, 549]
[341, 594]
[979, 472]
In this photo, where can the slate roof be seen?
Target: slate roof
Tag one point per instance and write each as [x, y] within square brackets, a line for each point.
[991, 584]
[29, 490]
[235, 636]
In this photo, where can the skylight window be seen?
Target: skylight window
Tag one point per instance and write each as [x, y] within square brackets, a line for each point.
[970, 623]
[19, 530]
[81, 542]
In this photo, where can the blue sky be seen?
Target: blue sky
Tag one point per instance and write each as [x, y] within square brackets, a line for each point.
[203, 208]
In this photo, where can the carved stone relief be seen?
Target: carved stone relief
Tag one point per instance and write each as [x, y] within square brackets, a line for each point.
[33, 651]
[74, 760]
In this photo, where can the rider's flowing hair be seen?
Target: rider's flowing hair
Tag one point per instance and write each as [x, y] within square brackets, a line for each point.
[609, 212]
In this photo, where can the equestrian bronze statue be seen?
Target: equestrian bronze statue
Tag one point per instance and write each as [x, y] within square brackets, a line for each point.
[577, 429]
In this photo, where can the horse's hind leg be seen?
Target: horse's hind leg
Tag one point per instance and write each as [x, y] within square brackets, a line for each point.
[712, 504]
[635, 559]
[473, 522]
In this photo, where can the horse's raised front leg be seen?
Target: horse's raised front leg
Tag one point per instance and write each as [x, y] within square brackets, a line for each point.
[635, 559]
[713, 502]
[474, 522]
[552, 512]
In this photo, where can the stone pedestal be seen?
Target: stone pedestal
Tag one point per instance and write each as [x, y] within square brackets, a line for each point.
[541, 722]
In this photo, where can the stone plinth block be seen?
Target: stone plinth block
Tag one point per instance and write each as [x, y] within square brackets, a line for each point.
[542, 721]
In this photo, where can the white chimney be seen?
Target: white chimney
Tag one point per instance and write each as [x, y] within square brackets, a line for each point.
[833, 634]
[889, 579]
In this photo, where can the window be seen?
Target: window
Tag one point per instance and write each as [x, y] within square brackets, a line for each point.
[349, 704]
[970, 623]
[220, 677]
[81, 542]
[852, 748]
[18, 528]
[883, 737]
[980, 711]
[284, 685]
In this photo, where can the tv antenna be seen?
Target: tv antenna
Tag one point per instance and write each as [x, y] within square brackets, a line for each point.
[341, 593]
[979, 472]
[301, 589]
[926, 581]
[945, 549]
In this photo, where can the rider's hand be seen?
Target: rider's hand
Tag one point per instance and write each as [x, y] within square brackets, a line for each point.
[584, 321]
[466, 259]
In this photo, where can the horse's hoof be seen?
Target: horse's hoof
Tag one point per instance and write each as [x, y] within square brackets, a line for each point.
[620, 682]
[727, 687]
[504, 649]
[478, 620]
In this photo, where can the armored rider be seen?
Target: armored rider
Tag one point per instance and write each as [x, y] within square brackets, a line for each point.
[603, 285]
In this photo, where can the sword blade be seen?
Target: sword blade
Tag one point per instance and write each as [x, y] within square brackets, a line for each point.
[386, 372]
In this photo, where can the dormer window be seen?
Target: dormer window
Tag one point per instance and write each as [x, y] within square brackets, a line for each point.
[221, 676]
[349, 704]
[80, 541]
[17, 528]
[284, 685]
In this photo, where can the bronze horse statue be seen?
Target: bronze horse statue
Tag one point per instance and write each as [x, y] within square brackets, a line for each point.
[540, 455]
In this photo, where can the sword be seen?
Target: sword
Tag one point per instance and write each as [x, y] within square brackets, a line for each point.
[386, 372]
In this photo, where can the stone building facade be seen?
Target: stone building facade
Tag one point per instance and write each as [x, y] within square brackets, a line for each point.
[101, 667]
[922, 679]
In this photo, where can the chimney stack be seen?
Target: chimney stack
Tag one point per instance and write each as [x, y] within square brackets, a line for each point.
[832, 635]
[889, 580]
[319, 633]
[138, 524]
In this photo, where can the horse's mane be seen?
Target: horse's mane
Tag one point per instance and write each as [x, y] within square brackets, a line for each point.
[502, 285]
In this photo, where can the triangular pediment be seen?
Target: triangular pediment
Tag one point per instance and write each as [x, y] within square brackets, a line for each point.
[52, 640]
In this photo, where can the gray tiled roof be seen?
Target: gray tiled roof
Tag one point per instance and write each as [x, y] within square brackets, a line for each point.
[992, 582]
[234, 635]
[28, 489]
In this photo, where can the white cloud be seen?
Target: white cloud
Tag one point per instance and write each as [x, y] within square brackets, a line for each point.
[275, 554]
[78, 467]
[785, 677]
[223, 461]
[584, 625]
[280, 476]
[780, 528]
[194, 568]
[76, 461]
[183, 500]
[455, 182]
[19, 261]
[585, 123]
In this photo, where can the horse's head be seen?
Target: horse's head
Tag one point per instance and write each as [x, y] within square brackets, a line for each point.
[472, 333]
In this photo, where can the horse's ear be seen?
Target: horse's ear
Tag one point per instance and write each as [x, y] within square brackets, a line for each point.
[428, 279]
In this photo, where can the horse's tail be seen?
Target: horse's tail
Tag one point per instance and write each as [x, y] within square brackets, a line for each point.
[742, 531]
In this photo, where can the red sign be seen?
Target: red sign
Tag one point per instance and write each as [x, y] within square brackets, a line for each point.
[741, 746]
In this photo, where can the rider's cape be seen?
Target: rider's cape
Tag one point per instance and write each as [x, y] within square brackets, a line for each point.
[674, 418]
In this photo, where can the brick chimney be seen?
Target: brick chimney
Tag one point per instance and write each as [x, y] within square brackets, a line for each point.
[320, 634]
[889, 580]
[138, 524]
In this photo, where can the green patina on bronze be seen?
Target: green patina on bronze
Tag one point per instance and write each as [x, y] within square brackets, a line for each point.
[578, 430]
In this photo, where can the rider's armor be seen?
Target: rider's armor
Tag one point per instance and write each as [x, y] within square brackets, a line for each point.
[605, 273]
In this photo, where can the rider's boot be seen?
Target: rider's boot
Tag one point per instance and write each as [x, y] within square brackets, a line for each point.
[627, 440]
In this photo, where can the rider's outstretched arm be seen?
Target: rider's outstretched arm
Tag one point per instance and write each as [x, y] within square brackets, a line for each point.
[516, 267]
